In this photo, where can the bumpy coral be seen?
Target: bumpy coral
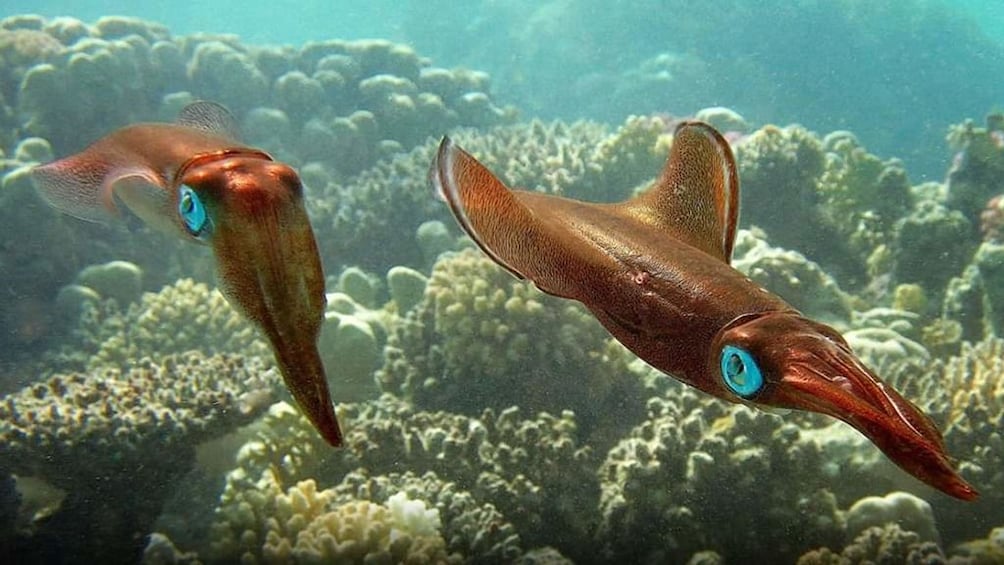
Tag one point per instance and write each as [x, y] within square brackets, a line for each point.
[965, 396]
[861, 195]
[409, 518]
[700, 474]
[481, 338]
[121, 70]
[780, 169]
[904, 509]
[987, 550]
[138, 428]
[828, 198]
[125, 70]
[989, 260]
[94, 422]
[886, 544]
[791, 276]
[180, 317]
[306, 527]
[931, 231]
[992, 220]
[531, 470]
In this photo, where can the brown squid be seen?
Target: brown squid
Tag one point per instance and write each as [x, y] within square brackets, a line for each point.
[194, 179]
[655, 271]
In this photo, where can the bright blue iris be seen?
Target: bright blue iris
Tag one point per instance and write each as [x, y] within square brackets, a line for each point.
[740, 372]
[192, 211]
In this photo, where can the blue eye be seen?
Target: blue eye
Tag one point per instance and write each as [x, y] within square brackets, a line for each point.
[193, 213]
[740, 372]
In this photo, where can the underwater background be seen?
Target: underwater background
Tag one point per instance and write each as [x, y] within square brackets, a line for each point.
[142, 418]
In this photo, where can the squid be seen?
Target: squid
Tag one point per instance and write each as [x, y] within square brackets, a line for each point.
[194, 179]
[654, 270]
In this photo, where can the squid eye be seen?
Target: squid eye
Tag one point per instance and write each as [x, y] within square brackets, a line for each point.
[193, 212]
[740, 372]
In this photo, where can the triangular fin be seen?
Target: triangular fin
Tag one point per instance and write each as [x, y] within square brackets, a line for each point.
[210, 117]
[479, 201]
[696, 198]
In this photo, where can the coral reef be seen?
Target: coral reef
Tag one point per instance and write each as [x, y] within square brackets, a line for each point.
[904, 509]
[835, 202]
[987, 550]
[978, 167]
[335, 106]
[860, 194]
[139, 427]
[886, 544]
[481, 338]
[510, 420]
[270, 525]
[781, 170]
[965, 396]
[931, 231]
[696, 464]
[371, 219]
[791, 276]
[181, 317]
[530, 470]
[304, 526]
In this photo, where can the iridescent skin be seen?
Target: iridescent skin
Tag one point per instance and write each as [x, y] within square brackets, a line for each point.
[655, 271]
[266, 255]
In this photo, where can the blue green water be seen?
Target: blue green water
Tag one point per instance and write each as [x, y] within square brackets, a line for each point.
[895, 73]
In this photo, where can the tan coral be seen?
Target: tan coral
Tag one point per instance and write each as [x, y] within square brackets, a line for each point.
[482, 339]
[532, 470]
[181, 317]
[380, 519]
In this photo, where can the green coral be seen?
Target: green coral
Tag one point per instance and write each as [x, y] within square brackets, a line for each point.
[931, 232]
[862, 195]
[976, 173]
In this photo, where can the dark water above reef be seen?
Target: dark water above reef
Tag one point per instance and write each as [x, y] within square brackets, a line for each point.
[143, 418]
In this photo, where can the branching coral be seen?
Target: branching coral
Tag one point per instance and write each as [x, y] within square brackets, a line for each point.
[409, 516]
[531, 470]
[305, 527]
